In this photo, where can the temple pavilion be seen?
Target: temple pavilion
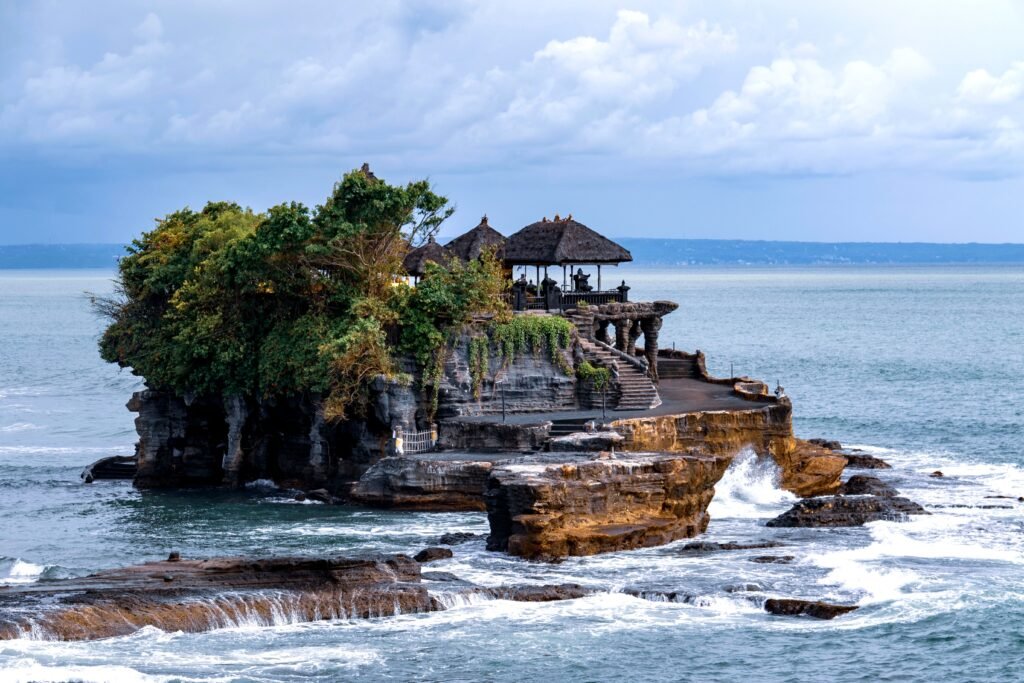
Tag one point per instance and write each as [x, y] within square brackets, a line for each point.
[531, 253]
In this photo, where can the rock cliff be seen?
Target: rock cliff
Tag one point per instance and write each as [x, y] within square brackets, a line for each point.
[562, 506]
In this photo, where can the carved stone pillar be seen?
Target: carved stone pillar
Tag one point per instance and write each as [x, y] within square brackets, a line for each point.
[634, 334]
[621, 334]
[601, 333]
[650, 328]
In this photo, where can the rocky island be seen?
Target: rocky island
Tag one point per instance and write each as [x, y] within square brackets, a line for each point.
[344, 354]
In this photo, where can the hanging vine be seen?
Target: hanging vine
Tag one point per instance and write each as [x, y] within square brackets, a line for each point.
[479, 362]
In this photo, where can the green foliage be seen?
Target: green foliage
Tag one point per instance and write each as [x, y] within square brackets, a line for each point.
[226, 301]
[534, 333]
[598, 377]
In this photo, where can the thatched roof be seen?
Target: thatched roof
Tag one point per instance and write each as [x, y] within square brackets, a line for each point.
[469, 245]
[560, 242]
[415, 262]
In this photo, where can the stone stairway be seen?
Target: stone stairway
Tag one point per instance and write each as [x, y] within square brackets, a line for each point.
[635, 391]
[566, 427]
[677, 368]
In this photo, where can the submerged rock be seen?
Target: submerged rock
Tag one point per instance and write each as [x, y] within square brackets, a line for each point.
[582, 506]
[114, 467]
[812, 608]
[773, 559]
[544, 593]
[458, 537]
[826, 443]
[710, 546]
[432, 555]
[834, 511]
[863, 485]
[860, 461]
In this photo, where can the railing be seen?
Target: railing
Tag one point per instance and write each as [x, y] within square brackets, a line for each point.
[558, 300]
[410, 443]
[572, 299]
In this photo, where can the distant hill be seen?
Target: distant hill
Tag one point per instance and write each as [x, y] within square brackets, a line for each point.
[667, 252]
[646, 252]
[60, 255]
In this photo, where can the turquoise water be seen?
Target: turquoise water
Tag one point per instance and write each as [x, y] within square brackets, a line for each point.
[918, 365]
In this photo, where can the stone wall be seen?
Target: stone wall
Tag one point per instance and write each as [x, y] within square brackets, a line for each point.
[530, 383]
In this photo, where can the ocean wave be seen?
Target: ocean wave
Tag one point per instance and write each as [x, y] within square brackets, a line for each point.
[14, 570]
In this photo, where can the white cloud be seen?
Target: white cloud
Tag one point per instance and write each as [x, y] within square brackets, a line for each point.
[981, 87]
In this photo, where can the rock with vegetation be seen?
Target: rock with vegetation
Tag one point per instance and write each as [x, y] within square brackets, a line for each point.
[251, 325]
[559, 506]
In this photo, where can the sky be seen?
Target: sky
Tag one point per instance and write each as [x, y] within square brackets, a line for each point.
[873, 120]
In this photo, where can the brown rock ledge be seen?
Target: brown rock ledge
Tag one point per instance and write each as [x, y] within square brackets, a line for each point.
[554, 508]
[202, 595]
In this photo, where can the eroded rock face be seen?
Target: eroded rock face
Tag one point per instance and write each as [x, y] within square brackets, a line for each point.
[807, 469]
[193, 441]
[490, 437]
[424, 483]
[833, 511]
[583, 505]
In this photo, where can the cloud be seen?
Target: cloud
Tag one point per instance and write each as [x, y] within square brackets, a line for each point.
[707, 87]
[981, 87]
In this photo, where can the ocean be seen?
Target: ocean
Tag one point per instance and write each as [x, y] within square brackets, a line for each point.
[922, 366]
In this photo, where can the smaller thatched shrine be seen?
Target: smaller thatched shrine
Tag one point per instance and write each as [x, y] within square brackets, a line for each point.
[415, 262]
[471, 244]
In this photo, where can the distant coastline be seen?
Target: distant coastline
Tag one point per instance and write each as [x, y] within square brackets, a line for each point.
[651, 252]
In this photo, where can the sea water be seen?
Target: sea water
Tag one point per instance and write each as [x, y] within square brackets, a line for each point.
[923, 367]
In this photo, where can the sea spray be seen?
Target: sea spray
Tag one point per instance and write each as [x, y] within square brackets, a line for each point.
[750, 488]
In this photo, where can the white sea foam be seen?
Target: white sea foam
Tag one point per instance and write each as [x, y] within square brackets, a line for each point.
[19, 427]
[15, 571]
[750, 488]
[25, 670]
